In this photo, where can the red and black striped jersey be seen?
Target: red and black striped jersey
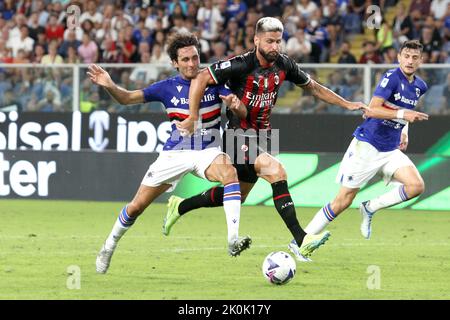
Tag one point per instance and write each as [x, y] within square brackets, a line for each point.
[256, 86]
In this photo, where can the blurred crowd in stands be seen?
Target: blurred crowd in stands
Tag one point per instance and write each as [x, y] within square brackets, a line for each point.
[135, 31]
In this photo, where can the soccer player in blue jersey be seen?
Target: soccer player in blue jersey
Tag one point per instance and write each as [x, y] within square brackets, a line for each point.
[199, 154]
[378, 144]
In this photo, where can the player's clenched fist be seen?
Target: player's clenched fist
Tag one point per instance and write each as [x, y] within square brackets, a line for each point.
[235, 105]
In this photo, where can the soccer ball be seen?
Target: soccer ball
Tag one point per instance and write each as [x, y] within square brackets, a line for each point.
[279, 267]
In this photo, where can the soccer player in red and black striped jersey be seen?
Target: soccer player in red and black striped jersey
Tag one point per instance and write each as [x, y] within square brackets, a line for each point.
[255, 77]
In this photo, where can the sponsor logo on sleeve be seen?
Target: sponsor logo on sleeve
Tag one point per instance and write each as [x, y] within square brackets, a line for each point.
[225, 65]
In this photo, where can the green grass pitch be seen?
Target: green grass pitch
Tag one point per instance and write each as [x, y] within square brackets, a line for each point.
[409, 254]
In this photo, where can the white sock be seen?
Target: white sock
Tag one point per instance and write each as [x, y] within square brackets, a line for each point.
[232, 207]
[122, 224]
[388, 199]
[322, 218]
[117, 232]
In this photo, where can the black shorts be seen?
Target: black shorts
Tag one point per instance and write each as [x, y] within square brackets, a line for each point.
[243, 151]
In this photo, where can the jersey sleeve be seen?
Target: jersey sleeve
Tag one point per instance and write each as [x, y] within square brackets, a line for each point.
[295, 74]
[386, 86]
[224, 90]
[222, 71]
[154, 92]
[424, 88]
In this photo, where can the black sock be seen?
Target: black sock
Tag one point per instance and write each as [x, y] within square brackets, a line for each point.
[285, 207]
[210, 198]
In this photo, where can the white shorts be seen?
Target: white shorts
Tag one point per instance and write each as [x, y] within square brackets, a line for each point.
[362, 161]
[172, 165]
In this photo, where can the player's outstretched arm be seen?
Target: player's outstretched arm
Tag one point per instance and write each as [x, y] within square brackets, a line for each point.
[102, 78]
[377, 110]
[196, 92]
[325, 94]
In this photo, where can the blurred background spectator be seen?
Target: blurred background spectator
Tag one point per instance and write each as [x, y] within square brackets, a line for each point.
[346, 56]
[135, 31]
[370, 53]
[52, 57]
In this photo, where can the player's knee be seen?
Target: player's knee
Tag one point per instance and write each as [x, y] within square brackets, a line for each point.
[270, 169]
[229, 175]
[415, 188]
[275, 173]
[281, 173]
[420, 187]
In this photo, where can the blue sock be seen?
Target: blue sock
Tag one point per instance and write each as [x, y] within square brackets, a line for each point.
[124, 219]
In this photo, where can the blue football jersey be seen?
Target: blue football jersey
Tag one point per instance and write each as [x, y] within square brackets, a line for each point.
[174, 94]
[398, 92]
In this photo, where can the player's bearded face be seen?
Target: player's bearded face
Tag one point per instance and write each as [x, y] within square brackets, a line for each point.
[270, 56]
[269, 45]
